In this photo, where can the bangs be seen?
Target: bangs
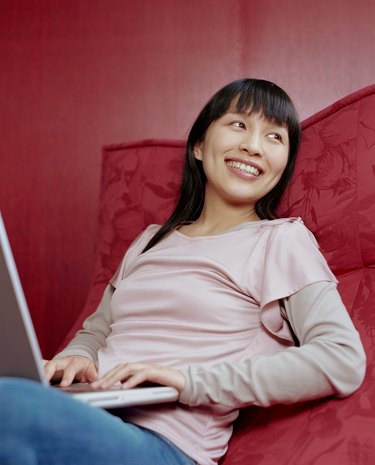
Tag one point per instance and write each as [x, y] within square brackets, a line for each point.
[249, 96]
[269, 101]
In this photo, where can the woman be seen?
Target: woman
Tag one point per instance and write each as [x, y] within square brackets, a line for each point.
[224, 302]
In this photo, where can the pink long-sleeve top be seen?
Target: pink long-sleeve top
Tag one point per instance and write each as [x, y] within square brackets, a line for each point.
[221, 308]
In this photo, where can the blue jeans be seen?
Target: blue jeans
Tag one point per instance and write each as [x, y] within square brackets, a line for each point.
[42, 426]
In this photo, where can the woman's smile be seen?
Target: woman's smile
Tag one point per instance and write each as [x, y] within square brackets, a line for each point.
[244, 168]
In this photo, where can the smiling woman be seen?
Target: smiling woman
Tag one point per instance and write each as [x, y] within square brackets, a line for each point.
[254, 99]
[224, 302]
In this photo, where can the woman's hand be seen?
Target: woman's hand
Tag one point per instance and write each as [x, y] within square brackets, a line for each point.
[68, 369]
[133, 374]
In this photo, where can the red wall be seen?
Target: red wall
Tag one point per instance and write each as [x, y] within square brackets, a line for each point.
[78, 74]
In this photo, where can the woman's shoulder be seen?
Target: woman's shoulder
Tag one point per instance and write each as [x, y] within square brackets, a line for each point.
[143, 238]
[289, 229]
[290, 240]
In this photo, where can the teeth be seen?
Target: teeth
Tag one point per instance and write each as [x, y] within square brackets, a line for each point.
[244, 168]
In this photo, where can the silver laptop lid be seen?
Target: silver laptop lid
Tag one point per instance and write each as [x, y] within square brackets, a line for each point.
[19, 350]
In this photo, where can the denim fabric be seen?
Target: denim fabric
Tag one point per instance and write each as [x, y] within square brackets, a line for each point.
[42, 426]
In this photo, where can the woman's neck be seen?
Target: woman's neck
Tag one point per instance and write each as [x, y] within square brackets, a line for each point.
[215, 221]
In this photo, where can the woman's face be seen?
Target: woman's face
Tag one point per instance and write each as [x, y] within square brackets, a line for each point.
[243, 156]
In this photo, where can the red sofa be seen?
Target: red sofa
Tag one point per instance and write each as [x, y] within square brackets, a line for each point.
[333, 190]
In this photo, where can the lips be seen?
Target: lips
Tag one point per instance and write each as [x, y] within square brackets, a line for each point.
[244, 167]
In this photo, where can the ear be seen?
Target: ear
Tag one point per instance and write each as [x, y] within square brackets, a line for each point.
[198, 151]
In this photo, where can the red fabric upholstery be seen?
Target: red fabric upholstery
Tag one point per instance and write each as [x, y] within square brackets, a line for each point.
[333, 190]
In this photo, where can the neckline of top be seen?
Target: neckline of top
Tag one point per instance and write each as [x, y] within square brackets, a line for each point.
[245, 225]
[238, 227]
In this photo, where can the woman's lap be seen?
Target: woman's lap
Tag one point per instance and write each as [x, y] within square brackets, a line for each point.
[39, 425]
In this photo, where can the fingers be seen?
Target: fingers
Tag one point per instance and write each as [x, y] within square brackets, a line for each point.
[119, 373]
[138, 378]
[134, 374]
[52, 367]
[69, 375]
[68, 369]
[91, 374]
[80, 369]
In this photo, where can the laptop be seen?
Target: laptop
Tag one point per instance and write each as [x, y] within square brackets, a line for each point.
[20, 354]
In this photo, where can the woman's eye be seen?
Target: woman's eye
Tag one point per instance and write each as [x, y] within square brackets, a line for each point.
[276, 136]
[239, 124]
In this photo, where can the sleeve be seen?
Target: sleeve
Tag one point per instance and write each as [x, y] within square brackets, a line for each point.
[329, 361]
[292, 261]
[94, 332]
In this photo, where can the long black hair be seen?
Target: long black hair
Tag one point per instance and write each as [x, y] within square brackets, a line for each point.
[253, 96]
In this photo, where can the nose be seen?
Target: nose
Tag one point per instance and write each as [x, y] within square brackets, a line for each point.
[251, 144]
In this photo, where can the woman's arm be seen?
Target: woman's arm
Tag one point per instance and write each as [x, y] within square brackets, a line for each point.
[329, 361]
